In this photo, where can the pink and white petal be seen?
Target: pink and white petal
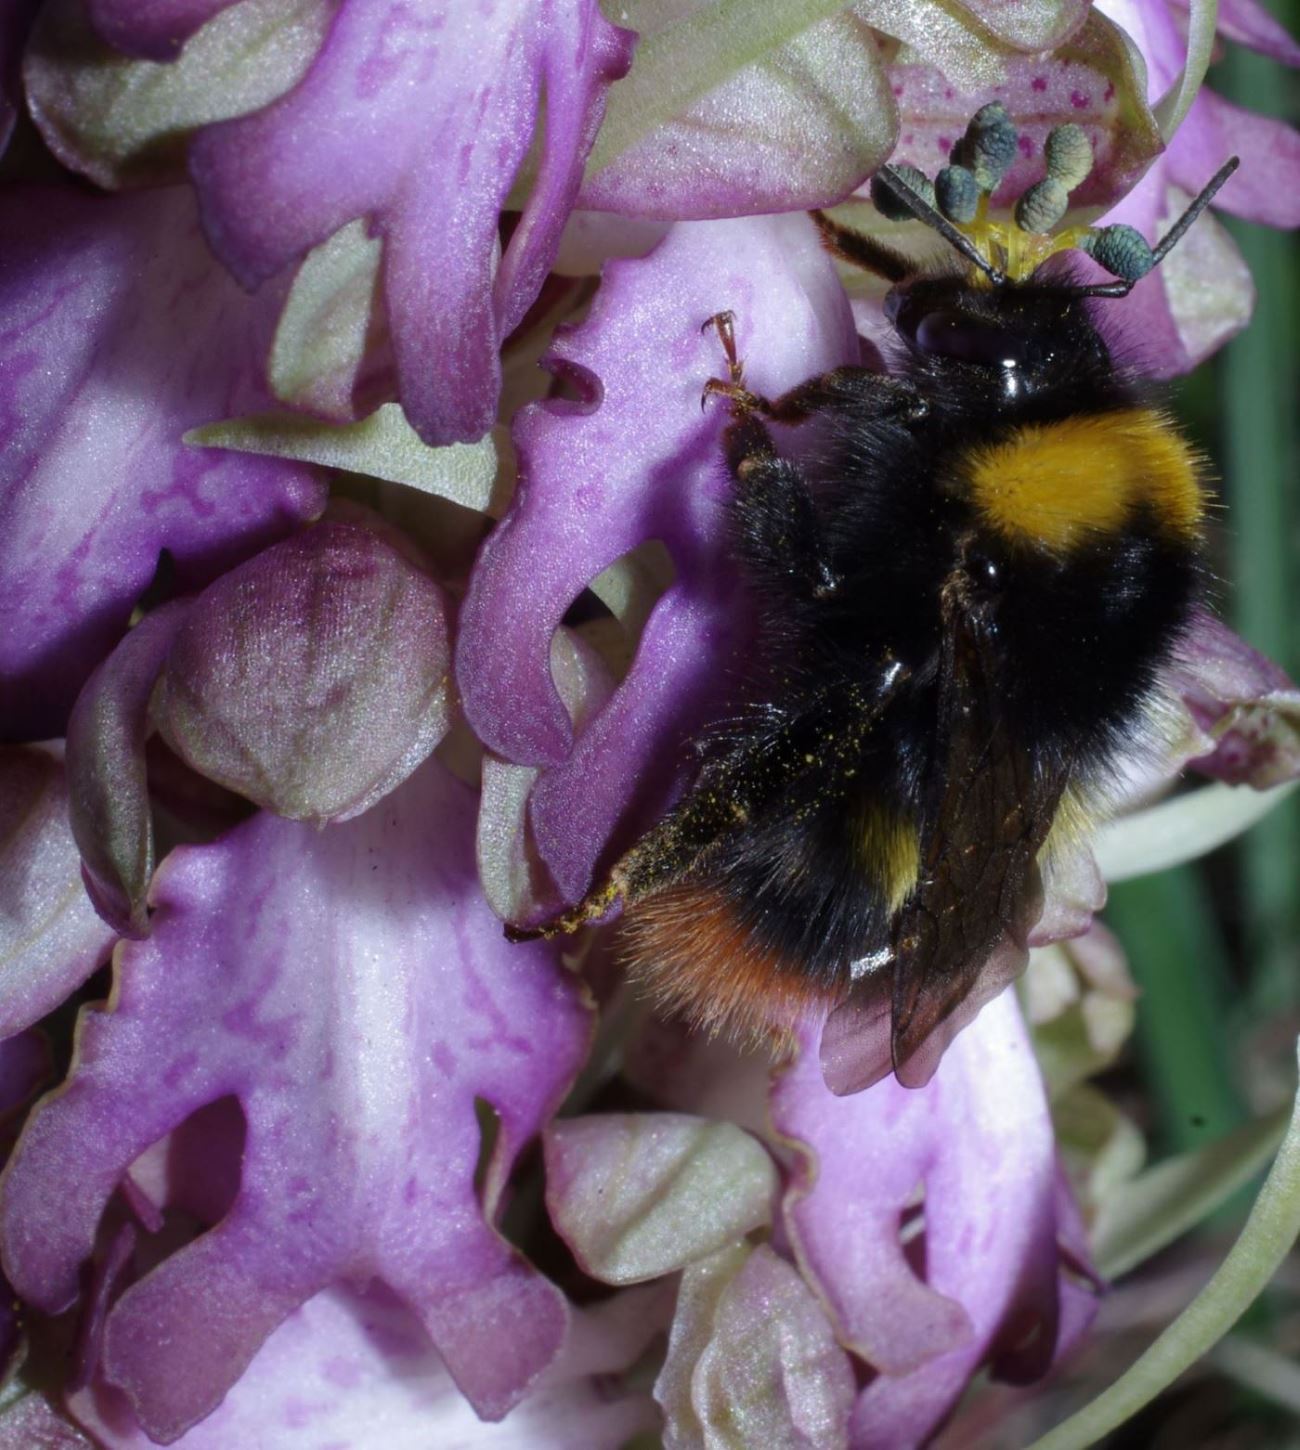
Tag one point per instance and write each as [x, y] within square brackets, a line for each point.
[347, 1363]
[1243, 703]
[50, 937]
[978, 1140]
[420, 122]
[155, 29]
[752, 1359]
[311, 679]
[636, 460]
[637, 1195]
[801, 126]
[355, 994]
[109, 808]
[1091, 80]
[117, 333]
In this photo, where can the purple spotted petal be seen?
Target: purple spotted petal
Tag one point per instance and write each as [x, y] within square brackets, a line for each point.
[109, 808]
[1090, 81]
[979, 1139]
[151, 29]
[117, 333]
[50, 938]
[752, 1359]
[311, 679]
[1246, 708]
[418, 119]
[355, 994]
[637, 1195]
[637, 460]
[347, 1363]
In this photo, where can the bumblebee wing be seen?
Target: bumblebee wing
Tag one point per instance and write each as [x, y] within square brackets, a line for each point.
[963, 933]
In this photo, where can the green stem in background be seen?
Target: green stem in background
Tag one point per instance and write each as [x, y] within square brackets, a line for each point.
[1261, 459]
[1177, 956]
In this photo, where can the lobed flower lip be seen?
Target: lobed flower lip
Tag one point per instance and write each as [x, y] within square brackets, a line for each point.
[979, 1138]
[353, 992]
[637, 460]
[420, 122]
[117, 333]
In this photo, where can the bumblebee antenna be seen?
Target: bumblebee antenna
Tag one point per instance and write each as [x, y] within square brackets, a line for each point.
[900, 192]
[1124, 251]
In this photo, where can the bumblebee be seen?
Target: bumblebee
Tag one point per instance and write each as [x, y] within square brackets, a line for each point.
[968, 590]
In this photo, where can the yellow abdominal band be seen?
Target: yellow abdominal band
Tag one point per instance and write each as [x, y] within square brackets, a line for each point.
[1059, 484]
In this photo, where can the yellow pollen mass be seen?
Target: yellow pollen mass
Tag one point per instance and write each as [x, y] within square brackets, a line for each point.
[1059, 483]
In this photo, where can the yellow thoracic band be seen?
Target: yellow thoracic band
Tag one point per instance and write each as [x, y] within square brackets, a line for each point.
[1061, 484]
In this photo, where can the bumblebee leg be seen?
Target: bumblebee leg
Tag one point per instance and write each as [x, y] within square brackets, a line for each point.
[860, 250]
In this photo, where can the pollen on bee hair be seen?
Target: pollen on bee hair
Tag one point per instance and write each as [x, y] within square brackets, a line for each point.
[1060, 484]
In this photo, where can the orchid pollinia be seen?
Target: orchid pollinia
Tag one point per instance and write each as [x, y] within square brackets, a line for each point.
[339, 632]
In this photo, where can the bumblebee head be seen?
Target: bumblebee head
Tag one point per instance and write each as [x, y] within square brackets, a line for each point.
[956, 205]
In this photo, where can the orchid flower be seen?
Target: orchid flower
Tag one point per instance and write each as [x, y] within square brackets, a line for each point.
[339, 632]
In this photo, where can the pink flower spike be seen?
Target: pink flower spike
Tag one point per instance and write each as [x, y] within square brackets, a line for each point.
[419, 119]
[978, 1139]
[50, 937]
[355, 994]
[118, 332]
[637, 460]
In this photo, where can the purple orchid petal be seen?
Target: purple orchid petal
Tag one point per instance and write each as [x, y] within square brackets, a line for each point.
[1242, 703]
[637, 461]
[1266, 186]
[800, 127]
[109, 796]
[312, 678]
[31, 1423]
[752, 1359]
[26, 1065]
[151, 29]
[1089, 81]
[1250, 24]
[637, 1195]
[420, 121]
[355, 994]
[117, 333]
[347, 1363]
[15, 19]
[979, 1139]
[50, 938]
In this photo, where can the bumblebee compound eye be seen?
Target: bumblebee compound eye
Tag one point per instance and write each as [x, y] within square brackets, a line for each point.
[969, 339]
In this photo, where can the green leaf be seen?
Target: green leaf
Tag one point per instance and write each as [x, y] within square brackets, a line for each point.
[125, 122]
[384, 445]
[1266, 1240]
[1141, 1217]
[331, 325]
